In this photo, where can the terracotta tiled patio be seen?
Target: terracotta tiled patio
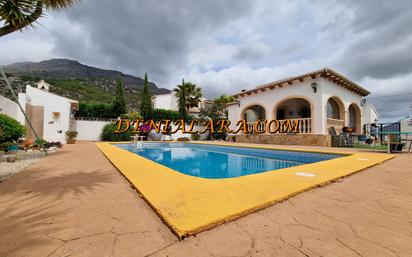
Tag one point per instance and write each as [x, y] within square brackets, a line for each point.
[75, 203]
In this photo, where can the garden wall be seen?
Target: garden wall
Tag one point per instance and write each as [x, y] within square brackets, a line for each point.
[90, 129]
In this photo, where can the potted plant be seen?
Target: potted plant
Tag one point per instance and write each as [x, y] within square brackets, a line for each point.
[71, 137]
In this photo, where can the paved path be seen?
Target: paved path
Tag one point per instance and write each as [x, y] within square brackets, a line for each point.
[74, 203]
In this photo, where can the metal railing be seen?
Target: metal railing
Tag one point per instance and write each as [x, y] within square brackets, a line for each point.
[378, 129]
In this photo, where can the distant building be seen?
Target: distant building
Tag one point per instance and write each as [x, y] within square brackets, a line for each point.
[369, 115]
[170, 102]
[43, 85]
[406, 124]
[51, 115]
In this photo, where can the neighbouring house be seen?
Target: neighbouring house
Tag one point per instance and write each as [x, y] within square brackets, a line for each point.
[319, 100]
[406, 124]
[51, 115]
[369, 115]
[170, 102]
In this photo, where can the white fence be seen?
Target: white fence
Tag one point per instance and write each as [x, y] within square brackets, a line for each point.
[90, 129]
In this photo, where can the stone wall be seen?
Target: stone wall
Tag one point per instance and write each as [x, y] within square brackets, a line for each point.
[286, 139]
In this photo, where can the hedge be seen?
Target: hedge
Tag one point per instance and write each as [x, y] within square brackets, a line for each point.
[95, 110]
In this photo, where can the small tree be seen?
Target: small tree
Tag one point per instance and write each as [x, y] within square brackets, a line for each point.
[221, 102]
[146, 108]
[180, 93]
[119, 102]
[10, 129]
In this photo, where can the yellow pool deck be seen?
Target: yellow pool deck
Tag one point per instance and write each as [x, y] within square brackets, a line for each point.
[189, 205]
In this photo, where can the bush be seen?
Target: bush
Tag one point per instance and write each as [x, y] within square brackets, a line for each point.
[183, 139]
[162, 114]
[109, 135]
[195, 137]
[132, 116]
[11, 129]
[95, 110]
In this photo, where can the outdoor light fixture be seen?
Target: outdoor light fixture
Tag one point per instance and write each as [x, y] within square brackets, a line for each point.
[314, 86]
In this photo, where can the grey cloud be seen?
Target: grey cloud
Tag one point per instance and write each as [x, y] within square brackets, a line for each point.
[252, 53]
[393, 108]
[381, 46]
[225, 46]
[139, 36]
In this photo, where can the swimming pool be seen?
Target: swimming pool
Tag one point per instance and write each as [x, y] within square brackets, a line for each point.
[214, 162]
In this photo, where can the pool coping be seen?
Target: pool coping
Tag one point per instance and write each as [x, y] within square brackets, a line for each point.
[189, 205]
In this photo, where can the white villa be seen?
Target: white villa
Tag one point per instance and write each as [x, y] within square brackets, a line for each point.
[319, 100]
[169, 102]
[51, 115]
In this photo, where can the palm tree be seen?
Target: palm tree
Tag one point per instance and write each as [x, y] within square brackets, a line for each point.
[18, 14]
[191, 94]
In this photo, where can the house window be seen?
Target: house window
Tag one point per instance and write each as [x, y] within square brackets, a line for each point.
[333, 109]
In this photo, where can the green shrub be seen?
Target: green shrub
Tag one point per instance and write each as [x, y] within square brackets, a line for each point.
[132, 116]
[109, 135]
[195, 137]
[12, 130]
[163, 114]
[95, 110]
[183, 139]
[40, 141]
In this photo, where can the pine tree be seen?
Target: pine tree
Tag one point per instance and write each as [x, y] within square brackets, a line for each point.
[119, 102]
[146, 107]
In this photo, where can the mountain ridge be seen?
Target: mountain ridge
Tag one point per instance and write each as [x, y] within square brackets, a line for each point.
[71, 69]
[72, 79]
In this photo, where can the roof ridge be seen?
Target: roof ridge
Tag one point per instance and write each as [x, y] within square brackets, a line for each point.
[324, 72]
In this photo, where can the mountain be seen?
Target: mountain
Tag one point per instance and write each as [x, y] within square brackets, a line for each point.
[72, 79]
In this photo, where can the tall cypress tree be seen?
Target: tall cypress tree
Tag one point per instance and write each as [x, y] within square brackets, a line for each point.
[119, 102]
[146, 107]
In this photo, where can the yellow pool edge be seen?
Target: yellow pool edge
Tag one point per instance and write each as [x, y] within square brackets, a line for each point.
[166, 190]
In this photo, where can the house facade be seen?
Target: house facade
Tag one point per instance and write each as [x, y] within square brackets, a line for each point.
[170, 102]
[50, 115]
[319, 101]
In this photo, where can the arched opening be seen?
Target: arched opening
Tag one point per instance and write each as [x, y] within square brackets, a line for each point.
[295, 108]
[335, 115]
[252, 114]
[333, 109]
[354, 118]
[298, 109]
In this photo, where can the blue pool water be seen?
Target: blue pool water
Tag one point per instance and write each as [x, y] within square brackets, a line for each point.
[208, 161]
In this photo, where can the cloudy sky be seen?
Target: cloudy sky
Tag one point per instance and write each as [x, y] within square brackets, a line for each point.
[225, 46]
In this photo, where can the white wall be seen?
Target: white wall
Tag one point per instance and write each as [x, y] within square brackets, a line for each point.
[52, 103]
[270, 98]
[8, 107]
[329, 89]
[369, 114]
[167, 101]
[90, 129]
[406, 125]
